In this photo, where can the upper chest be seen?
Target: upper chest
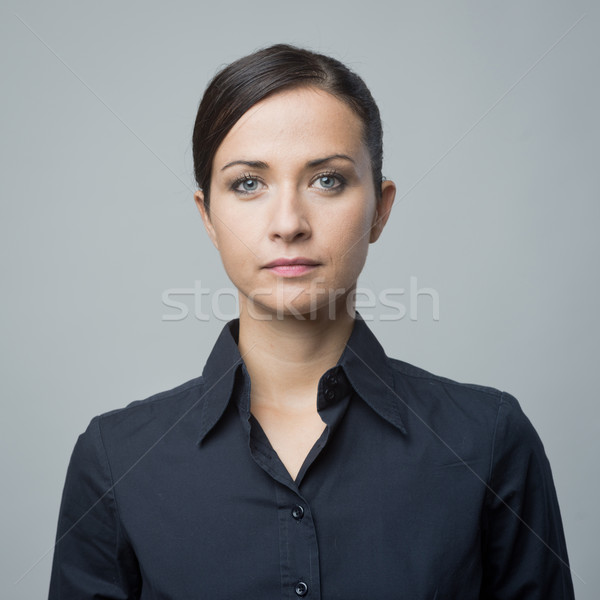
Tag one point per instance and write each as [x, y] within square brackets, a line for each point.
[291, 434]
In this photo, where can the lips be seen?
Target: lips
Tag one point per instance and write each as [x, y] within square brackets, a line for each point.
[286, 262]
[292, 267]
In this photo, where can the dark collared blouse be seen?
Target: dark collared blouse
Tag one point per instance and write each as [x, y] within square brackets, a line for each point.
[420, 488]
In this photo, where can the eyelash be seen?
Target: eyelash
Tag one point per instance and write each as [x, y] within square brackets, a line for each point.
[246, 177]
[331, 173]
[335, 175]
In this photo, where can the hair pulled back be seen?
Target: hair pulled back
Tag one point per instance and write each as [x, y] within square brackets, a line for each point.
[248, 80]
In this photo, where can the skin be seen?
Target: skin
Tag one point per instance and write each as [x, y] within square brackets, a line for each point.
[294, 329]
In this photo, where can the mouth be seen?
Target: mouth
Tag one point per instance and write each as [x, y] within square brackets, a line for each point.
[292, 267]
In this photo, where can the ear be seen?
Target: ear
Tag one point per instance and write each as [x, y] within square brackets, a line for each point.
[383, 209]
[208, 225]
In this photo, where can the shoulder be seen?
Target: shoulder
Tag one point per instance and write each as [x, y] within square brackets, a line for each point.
[417, 374]
[144, 421]
[456, 405]
[482, 424]
[421, 385]
[159, 404]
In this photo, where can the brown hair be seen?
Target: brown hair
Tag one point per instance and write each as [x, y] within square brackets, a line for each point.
[248, 80]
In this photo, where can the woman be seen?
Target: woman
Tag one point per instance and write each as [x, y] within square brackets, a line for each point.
[304, 461]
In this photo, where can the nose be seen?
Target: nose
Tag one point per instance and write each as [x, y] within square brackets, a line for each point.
[289, 220]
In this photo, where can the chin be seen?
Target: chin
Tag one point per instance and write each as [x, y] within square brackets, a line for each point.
[299, 304]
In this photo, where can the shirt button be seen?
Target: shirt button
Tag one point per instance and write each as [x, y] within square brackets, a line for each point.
[301, 589]
[297, 512]
[330, 394]
[331, 380]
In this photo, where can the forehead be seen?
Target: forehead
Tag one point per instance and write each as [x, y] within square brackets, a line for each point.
[301, 122]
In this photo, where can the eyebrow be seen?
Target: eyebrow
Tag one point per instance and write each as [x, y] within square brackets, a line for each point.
[259, 164]
[320, 161]
[255, 164]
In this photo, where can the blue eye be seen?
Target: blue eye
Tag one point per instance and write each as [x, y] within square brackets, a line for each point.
[327, 181]
[249, 185]
[246, 185]
[330, 182]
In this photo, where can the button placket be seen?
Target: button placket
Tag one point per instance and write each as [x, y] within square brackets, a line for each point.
[298, 545]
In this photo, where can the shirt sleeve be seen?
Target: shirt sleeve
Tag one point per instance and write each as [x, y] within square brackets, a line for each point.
[92, 558]
[524, 550]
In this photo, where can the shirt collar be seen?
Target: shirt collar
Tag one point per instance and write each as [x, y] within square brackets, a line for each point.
[363, 360]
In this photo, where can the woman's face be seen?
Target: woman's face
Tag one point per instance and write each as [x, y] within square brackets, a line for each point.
[292, 180]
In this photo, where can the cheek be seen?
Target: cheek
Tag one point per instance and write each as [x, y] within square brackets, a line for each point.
[233, 248]
[349, 236]
[236, 232]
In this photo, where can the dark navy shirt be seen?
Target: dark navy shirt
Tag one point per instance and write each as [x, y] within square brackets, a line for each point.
[420, 488]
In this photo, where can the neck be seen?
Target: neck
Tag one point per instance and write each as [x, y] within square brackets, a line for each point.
[286, 357]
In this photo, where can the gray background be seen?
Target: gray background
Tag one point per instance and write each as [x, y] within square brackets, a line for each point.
[491, 118]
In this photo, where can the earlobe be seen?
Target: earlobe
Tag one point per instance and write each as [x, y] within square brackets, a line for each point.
[384, 207]
[204, 213]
